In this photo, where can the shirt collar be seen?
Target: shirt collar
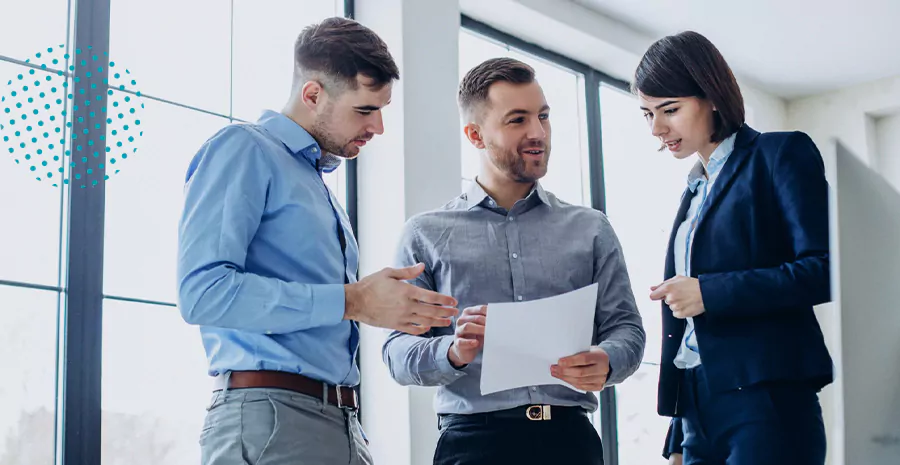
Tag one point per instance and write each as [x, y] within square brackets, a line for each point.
[476, 195]
[297, 140]
[716, 162]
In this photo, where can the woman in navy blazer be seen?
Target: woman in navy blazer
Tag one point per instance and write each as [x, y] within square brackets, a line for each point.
[743, 357]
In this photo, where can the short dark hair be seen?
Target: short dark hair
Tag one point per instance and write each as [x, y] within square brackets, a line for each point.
[474, 87]
[341, 49]
[689, 65]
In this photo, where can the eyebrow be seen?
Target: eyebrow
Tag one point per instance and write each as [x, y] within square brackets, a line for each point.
[368, 108]
[519, 111]
[664, 104]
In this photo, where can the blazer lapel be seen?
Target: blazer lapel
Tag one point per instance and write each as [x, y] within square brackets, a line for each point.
[738, 158]
[686, 197]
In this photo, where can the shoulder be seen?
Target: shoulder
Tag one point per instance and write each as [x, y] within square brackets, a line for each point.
[439, 217]
[578, 215]
[235, 147]
[775, 145]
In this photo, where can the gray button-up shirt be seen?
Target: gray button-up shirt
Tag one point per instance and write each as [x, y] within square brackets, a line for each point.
[479, 253]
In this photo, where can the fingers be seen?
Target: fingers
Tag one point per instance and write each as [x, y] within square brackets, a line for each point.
[469, 330]
[467, 344]
[476, 310]
[659, 292]
[580, 359]
[579, 373]
[426, 321]
[585, 385]
[432, 311]
[477, 319]
[430, 297]
[405, 274]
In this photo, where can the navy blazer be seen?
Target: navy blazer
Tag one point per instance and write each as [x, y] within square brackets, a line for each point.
[760, 252]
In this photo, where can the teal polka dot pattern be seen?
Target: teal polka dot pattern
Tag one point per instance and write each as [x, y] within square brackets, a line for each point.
[37, 107]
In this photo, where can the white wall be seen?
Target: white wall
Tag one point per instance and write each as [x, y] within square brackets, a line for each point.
[415, 166]
[887, 148]
[853, 116]
[847, 114]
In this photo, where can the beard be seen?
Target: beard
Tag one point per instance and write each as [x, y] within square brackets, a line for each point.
[332, 144]
[518, 167]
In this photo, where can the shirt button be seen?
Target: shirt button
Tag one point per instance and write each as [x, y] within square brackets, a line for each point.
[533, 389]
[512, 218]
[491, 203]
[314, 150]
[268, 332]
[520, 297]
[515, 255]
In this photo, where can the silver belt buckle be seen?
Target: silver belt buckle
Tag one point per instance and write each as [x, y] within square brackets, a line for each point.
[538, 412]
[340, 398]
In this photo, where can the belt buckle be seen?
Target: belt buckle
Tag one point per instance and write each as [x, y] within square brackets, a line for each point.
[538, 412]
[340, 398]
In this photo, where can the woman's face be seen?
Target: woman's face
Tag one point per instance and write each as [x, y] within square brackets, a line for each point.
[683, 124]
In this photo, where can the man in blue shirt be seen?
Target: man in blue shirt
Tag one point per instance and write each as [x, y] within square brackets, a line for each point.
[267, 263]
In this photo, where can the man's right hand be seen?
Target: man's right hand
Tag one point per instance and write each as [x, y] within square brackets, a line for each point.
[384, 300]
[675, 459]
[469, 337]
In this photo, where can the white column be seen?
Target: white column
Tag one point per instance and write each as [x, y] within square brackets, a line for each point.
[414, 167]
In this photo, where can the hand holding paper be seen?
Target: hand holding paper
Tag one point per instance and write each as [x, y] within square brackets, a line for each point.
[586, 371]
[469, 337]
[524, 339]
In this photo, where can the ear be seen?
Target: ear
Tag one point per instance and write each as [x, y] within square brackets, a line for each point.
[473, 133]
[311, 93]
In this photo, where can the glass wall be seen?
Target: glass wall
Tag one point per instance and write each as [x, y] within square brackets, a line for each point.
[184, 85]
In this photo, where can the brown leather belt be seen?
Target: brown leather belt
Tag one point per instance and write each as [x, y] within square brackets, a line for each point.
[340, 396]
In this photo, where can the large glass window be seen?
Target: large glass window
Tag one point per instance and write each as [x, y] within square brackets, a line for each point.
[28, 329]
[145, 413]
[643, 189]
[197, 66]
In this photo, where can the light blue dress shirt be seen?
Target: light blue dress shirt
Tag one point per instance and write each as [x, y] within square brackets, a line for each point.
[260, 262]
[700, 181]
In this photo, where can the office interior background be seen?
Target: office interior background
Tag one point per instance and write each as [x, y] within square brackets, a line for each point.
[98, 365]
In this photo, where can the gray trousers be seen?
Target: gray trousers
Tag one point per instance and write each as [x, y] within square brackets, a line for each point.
[279, 427]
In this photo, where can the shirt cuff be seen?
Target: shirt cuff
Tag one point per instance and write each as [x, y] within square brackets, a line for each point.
[328, 305]
[617, 363]
[448, 372]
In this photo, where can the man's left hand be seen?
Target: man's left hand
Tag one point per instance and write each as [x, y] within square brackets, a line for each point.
[586, 371]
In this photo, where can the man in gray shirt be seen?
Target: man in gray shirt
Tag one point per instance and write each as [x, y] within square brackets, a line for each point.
[508, 240]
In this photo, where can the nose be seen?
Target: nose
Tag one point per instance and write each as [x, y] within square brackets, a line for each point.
[377, 126]
[657, 128]
[536, 130]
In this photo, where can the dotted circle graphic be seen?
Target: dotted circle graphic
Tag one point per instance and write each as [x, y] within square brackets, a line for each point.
[51, 124]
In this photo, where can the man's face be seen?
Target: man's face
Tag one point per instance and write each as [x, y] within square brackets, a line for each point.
[346, 121]
[514, 131]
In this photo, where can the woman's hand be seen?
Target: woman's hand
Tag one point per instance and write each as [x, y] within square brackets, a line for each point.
[682, 295]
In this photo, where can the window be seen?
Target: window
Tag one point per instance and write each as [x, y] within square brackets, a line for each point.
[187, 99]
[28, 329]
[643, 189]
[191, 84]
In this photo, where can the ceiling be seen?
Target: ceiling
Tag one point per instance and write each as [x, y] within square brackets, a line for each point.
[789, 48]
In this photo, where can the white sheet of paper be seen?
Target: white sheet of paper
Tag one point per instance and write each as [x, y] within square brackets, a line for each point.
[522, 339]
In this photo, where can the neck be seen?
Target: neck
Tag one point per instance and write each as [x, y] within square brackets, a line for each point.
[503, 190]
[298, 113]
[705, 153]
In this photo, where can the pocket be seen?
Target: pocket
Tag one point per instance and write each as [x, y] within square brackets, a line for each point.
[259, 427]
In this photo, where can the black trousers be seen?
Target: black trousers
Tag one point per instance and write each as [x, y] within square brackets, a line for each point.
[768, 424]
[509, 437]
